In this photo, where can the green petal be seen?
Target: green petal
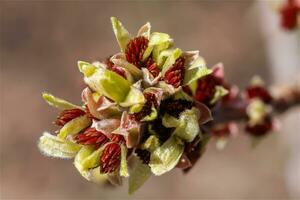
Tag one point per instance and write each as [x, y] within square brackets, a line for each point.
[108, 83]
[160, 40]
[139, 175]
[196, 71]
[58, 103]
[219, 93]
[174, 55]
[151, 143]
[121, 33]
[188, 127]
[74, 126]
[134, 97]
[166, 157]
[53, 146]
[123, 166]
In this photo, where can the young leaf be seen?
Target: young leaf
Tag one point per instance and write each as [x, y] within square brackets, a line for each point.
[74, 126]
[188, 127]
[53, 146]
[59, 103]
[121, 33]
[123, 165]
[166, 157]
[139, 175]
[176, 53]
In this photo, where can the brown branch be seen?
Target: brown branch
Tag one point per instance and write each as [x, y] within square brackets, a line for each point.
[235, 110]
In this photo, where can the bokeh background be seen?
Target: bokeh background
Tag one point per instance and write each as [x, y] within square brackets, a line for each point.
[41, 43]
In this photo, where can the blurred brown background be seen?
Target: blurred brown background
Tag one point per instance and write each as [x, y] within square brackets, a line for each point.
[40, 45]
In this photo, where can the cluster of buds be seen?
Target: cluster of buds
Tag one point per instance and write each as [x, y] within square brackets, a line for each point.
[290, 14]
[258, 110]
[147, 110]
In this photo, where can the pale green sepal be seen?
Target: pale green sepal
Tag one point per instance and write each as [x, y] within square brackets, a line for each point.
[182, 95]
[145, 31]
[151, 143]
[120, 60]
[84, 152]
[152, 116]
[169, 121]
[161, 58]
[195, 71]
[74, 126]
[85, 159]
[123, 166]
[136, 108]
[109, 83]
[147, 52]
[86, 68]
[59, 103]
[157, 52]
[53, 146]
[188, 126]
[156, 39]
[134, 97]
[219, 93]
[93, 160]
[95, 176]
[139, 175]
[176, 53]
[198, 62]
[121, 33]
[166, 157]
